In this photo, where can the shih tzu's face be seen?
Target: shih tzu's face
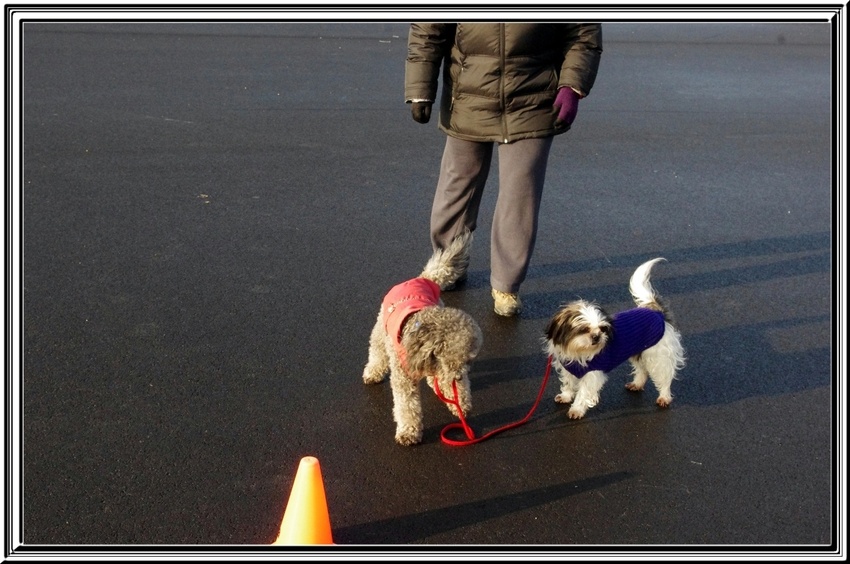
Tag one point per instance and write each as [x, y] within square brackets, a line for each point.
[578, 331]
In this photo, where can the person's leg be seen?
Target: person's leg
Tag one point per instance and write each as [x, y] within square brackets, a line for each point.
[522, 171]
[463, 173]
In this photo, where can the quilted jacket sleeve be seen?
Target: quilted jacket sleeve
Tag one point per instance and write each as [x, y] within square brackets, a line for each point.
[428, 45]
[582, 51]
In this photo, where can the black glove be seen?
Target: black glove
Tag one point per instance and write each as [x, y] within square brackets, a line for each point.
[421, 111]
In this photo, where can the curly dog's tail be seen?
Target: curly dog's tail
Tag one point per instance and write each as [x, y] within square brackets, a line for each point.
[447, 266]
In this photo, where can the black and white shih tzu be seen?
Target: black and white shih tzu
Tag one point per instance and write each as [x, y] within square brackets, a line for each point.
[585, 343]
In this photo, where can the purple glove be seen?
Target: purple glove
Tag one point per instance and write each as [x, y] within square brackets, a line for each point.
[566, 102]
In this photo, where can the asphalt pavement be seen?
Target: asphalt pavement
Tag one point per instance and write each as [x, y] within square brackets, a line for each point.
[212, 213]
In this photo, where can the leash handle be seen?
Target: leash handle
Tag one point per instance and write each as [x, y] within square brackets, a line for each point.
[468, 430]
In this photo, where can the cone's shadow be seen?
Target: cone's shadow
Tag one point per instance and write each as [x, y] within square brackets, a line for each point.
[420, 526]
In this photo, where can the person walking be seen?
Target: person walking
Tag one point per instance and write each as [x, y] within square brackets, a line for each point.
[511, 85]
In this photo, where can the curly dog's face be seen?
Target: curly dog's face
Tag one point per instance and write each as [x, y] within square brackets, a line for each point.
[456, 355]
[441, 341]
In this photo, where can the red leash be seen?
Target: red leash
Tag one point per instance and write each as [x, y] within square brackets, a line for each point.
[469, 432]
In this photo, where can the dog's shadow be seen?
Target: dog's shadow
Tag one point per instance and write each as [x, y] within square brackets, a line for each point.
[494, 372]
[418, 527]
[732, 364]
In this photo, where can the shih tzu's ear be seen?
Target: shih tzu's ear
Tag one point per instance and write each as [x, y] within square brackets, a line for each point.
[560, 327]
[552, 328]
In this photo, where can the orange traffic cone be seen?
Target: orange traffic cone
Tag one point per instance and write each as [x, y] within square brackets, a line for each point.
[306, 519]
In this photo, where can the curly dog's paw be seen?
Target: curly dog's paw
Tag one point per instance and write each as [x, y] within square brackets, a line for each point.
[465, 406]
[408, 437]
[373, 377]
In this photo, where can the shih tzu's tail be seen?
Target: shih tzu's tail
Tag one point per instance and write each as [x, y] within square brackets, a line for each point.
[448, 266]
[641, 288]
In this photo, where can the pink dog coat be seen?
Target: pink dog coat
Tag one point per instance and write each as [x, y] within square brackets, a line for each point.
[402, 301]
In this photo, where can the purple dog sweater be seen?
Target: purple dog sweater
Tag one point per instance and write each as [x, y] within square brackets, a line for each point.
[634, 331]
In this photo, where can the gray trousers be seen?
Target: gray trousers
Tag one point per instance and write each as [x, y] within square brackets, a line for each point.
[463, 174]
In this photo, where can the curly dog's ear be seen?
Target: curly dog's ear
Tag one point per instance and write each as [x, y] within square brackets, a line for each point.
[422, 349]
